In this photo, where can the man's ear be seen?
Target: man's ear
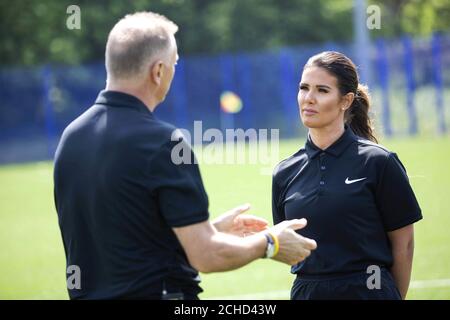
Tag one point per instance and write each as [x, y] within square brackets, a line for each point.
[156, 72]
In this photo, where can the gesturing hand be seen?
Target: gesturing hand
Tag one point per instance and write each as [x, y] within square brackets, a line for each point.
[294, 248]
[239, 224]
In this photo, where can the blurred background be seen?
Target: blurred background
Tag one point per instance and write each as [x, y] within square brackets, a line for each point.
[51, 73]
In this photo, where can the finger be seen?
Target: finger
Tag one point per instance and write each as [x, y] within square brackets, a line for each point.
[239, 210]
[307, 243]
[248, 219]
[254, 228]
[303, 255]
[310, 244]
[296, 224]
[243, 208]
[250, 225]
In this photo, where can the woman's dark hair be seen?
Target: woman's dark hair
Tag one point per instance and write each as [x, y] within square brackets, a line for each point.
[340, 66]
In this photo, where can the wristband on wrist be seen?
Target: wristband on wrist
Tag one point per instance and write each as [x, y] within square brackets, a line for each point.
[277, 243]
[273, 245]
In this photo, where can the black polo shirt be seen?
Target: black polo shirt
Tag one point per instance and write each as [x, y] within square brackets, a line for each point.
[118, 195]
[352, 194]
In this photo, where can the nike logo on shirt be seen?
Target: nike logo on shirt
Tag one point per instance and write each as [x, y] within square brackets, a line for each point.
[347, 181]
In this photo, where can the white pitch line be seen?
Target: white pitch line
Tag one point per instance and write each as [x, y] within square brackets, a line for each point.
[269, 295]
[439, 283]
[285, 294]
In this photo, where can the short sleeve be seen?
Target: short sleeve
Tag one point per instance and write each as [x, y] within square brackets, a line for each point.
[277, 210]
[395, 198]
[174, 177]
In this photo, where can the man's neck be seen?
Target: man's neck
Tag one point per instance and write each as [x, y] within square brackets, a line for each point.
[325, 137]
[137, 92]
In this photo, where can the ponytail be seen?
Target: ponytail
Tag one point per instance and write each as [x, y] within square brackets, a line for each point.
[357, 116]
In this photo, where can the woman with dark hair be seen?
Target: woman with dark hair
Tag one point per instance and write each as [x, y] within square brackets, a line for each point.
[354, 193]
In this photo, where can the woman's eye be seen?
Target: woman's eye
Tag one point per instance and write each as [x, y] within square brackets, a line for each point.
[303, 88]
[323, 91]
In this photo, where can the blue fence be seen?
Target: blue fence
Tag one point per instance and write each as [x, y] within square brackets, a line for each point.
[410, 85]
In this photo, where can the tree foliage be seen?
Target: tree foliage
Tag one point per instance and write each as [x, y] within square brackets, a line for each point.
[34, 32]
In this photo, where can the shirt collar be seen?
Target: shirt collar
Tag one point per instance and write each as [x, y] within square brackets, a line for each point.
[121, 99]
[336, 149]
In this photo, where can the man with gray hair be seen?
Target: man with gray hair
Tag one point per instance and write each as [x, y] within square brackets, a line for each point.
[136, 224]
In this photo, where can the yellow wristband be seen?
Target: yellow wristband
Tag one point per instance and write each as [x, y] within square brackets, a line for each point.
[276, 244]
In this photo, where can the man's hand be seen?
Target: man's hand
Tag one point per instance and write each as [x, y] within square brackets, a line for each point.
[293, 247]
[239, 224]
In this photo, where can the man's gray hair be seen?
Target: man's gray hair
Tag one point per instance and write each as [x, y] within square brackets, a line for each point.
[137, 41]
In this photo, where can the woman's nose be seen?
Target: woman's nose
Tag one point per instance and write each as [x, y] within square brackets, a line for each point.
[308, 97]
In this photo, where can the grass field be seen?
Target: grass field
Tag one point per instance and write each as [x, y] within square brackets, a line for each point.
[32, 263]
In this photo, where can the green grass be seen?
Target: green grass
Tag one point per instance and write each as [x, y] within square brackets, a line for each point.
[32, 263]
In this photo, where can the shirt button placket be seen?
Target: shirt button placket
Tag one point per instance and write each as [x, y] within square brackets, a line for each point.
[322, 172]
